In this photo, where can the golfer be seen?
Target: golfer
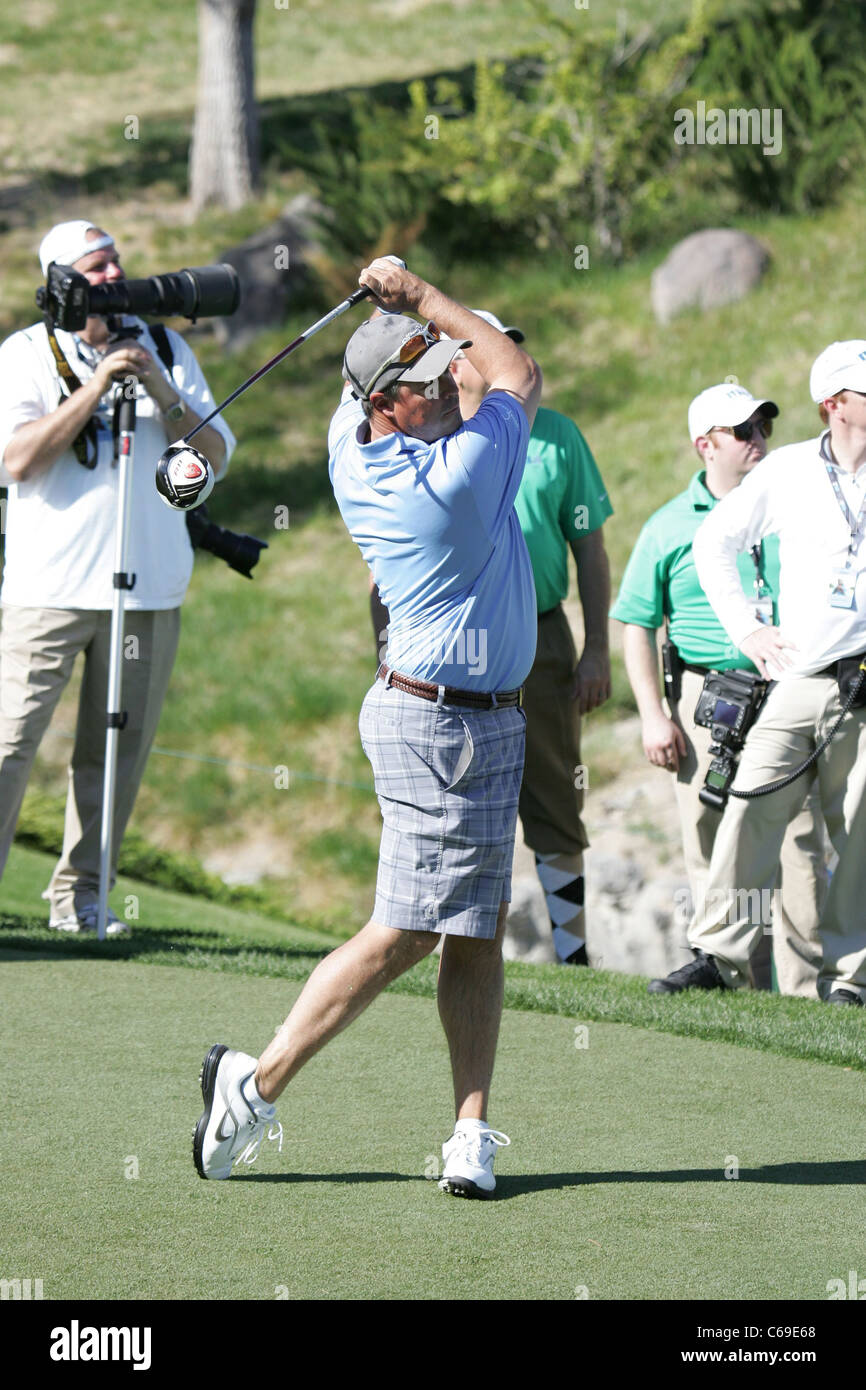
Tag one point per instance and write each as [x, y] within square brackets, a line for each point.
[429, 500]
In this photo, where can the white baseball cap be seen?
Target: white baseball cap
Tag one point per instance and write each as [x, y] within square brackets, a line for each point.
[725, 404]
[67, 243]
[514, 333]
[840, 367]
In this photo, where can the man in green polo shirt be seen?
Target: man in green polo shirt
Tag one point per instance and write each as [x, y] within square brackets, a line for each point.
[562, 506]
[729, 429]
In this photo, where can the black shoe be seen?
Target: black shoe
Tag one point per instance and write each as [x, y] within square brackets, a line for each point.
[700, 973]
[577, 957]
[845, 996]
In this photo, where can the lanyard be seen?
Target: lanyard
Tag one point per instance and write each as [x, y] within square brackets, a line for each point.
[84, 446]
[854, 523]
[757, 553]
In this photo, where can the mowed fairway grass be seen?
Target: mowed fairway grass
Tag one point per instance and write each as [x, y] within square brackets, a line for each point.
[614, 1186]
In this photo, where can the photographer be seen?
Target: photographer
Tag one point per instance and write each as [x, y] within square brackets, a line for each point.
[57, 392]
[729, 430]
[812, 496]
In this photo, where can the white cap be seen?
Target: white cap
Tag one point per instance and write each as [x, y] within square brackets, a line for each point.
[725, 404]
[841, 366]
[67, 243]
[514, 333]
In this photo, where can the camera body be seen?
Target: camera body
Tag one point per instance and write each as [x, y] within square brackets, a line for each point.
[728, 706]
[67, 297]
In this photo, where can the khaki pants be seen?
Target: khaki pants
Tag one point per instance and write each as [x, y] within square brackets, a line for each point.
[791, 913]
[550, 802]
[38, 647]
[745, 859]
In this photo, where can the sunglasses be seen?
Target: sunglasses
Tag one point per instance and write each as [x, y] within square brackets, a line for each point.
[410, 349]
[746, 431]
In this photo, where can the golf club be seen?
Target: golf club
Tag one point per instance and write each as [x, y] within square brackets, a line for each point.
[348, 303]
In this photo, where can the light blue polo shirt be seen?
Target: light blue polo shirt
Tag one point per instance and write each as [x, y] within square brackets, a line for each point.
[436, 524]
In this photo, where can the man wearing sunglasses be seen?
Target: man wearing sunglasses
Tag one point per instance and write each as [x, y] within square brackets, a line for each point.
[729, 429]
[429, 500]
[811, 495]
[562, 505]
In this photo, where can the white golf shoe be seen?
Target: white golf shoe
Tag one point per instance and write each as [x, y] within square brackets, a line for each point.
[469, 1155]
[231, 1129]
[86, 921]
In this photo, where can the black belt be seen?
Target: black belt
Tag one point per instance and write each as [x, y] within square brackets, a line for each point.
[697, 670]
[549, 613]
[833, 669]
[474, 699]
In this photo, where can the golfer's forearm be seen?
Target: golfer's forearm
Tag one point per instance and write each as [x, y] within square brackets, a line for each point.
[502, 364]
[34, 447]
[642, 667]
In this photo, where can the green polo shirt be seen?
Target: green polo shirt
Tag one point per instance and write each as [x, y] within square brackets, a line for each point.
[561, 499]
[661, 581]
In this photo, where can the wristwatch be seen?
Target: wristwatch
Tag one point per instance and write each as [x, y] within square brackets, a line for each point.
[176, 411]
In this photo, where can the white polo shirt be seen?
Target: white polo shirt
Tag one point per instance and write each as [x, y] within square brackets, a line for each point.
[790, 494]
[60, 524]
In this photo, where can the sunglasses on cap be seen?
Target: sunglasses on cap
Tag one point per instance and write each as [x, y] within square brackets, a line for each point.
[747, 430]
[409, 350]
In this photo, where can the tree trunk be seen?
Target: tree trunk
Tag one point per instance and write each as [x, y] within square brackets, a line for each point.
[223, 161]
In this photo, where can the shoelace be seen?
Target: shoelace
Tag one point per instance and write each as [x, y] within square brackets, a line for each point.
[477, 1137]
[251, 1152]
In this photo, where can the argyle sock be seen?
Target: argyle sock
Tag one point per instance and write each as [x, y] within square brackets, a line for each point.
[561, 877]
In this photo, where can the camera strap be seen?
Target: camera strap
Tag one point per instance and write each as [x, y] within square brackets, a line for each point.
[851, 675]
[84, 446]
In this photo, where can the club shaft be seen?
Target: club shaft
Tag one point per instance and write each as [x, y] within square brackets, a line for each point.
[302, 338]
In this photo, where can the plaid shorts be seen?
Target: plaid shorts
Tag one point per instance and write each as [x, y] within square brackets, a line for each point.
[448, 782]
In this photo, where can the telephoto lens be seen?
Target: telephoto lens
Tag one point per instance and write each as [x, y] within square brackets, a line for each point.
[202, 292]
[240, 552]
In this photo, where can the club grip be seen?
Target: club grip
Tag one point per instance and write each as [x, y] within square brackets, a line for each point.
[364, 292]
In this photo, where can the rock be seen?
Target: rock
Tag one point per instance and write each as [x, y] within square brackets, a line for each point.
[646, 939]
[613, 875]
[528, 935]
[706, 269]
[271, 266]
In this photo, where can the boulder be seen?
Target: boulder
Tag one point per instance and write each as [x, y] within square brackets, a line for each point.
[271, 266]
[705, 270]
[528, 934]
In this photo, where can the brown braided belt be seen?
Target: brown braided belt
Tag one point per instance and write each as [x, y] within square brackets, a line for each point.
[425, 691]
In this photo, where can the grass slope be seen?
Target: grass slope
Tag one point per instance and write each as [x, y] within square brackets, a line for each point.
[73, 85]
[188, 932]
[272, 673]
[614, 1184]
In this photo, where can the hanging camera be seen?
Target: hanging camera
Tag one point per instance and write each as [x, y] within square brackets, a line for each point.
[728, 706]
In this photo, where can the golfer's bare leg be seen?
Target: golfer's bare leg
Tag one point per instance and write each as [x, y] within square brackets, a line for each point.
[471, 985]
[339, 989]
